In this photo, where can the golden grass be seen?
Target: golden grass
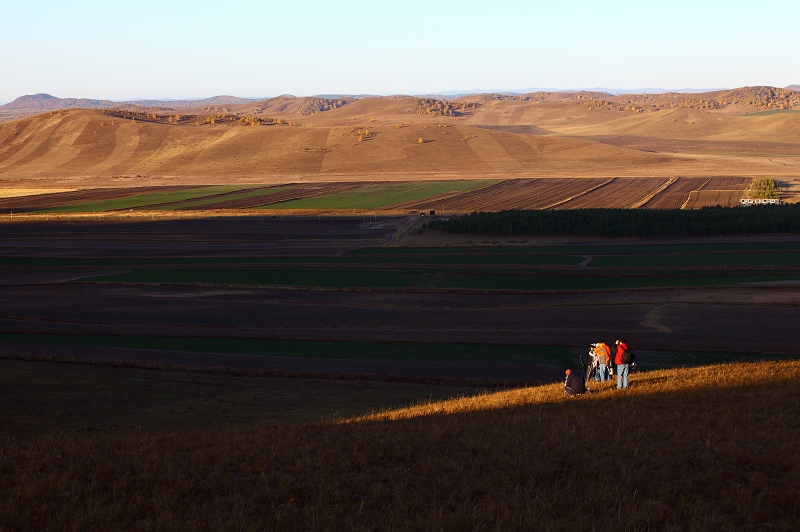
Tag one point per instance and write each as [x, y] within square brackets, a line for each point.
[655, 382]
[21, 192]
[694, 449]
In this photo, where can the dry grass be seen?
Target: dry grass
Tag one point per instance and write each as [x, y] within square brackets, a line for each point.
[699, 449]
[22, 192]
[88, 148]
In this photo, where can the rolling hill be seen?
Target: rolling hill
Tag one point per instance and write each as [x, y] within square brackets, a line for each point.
[746, 132]
[46, 102]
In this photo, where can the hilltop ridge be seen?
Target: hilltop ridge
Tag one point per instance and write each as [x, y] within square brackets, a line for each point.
[753, 98]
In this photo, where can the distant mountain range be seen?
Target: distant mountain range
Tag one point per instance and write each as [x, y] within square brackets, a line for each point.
[46, 102]
[41, 102]
[614, 92]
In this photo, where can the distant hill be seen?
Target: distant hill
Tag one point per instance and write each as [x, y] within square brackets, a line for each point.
[46, 102]
[532, 90]
[205, 102]
[649, 90]
[793, 87]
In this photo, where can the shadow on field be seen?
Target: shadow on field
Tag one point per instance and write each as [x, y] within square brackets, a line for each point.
[696, 451]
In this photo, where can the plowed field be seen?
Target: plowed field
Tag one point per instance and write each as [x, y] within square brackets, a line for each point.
[588, 193]
[711, 198]
[675, 195]
[403, 197]
[516, 194]
[728, 183]
[618, 194]
[275, 195]
[46, 201]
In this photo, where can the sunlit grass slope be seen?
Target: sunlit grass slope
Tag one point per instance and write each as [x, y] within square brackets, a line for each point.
[710, 448]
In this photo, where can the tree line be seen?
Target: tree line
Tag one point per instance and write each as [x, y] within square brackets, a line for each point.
[763, 188]
[708, 221]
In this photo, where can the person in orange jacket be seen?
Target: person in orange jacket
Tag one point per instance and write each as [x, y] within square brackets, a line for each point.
[622, 368]
[603, 354]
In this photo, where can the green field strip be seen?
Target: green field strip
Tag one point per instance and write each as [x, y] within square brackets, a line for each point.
[580, 249]
[465, 260]
[531, 260]
[258, 277]
[444, 279]
[413, 351]
[697, 259]
[439, 352]
[374, 196]
[211, 201]
[567, 283]
[144, 200]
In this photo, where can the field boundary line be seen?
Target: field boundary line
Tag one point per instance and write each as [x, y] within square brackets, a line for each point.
[653, 194]
[592, 189]
[686, 205]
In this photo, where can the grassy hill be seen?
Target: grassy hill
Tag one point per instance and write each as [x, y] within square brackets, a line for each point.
[85, 147]
[703, 448]
[90, 143]
[751, 132]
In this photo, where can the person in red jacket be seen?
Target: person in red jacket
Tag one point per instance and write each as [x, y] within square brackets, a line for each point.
[622, 369]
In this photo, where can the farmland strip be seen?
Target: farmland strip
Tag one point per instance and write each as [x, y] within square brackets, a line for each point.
[553, 205]
[655, 193]
[45, 201]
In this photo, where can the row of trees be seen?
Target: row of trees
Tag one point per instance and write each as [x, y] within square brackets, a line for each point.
[180, 118]
[709, 221]
[763, 188]
[432, 106]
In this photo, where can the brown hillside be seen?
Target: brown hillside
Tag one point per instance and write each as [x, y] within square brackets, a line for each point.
[90, 143]
[287, 139]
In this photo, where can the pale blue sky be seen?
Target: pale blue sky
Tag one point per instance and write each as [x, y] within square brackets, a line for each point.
[181, 49]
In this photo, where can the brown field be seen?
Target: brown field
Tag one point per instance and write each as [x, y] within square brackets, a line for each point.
[44, 200]
[538, 193]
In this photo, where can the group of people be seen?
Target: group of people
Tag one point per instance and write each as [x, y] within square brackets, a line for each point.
[599, 366]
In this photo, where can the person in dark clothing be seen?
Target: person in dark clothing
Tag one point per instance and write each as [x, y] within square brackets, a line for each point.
[574, 384]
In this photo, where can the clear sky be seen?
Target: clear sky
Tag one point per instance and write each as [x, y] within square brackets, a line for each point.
[193, 49]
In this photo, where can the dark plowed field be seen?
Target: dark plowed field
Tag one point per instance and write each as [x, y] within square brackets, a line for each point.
[292, 193]
[247, 290]
[46, 201]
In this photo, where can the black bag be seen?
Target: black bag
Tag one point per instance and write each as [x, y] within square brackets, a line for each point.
[628, 357]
